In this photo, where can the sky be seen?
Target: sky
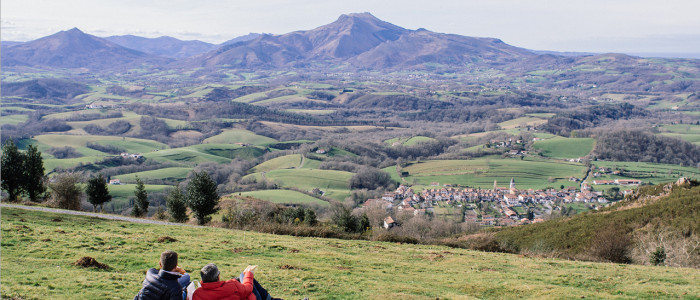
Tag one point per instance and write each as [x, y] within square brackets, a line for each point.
[626, 26]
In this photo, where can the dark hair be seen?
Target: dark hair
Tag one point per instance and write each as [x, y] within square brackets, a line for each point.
[168, 260]
[210, 273]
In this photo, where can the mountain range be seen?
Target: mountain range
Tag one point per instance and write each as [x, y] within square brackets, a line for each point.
[75, 49]
[359, 41]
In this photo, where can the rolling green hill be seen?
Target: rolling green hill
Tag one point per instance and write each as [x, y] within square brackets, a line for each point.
[334, 183]
[132, 145]
[160, 174]
[39, 250]
[282, 162]
[233, 136]
[187, 155]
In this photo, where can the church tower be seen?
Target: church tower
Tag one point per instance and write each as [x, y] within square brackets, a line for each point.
[495, 184]
[512, 185]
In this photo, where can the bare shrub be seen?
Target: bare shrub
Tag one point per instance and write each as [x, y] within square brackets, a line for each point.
[612, 245]
[680, 250]
[65, 192]
[482, 242]
[64, 152]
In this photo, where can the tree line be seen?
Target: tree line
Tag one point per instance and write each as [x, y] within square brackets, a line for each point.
[23, 174]
[637, 145]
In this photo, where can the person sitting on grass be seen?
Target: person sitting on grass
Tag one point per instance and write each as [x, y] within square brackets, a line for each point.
[213, 288]
[168, 283]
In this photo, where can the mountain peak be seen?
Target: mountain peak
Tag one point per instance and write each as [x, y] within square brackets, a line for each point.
[74, 30]
[363, 15]
[73, 49]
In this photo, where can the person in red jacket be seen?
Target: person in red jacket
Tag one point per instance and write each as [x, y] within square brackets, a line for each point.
[213, 288]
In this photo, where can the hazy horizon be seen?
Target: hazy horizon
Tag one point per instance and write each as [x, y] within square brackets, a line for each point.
[634, 27]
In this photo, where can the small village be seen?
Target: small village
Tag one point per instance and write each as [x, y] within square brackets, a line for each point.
[499, 206]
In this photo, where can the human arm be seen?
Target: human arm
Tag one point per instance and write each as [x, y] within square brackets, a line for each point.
[247, 280]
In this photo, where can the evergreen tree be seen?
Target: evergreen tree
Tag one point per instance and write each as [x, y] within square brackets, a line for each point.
[177, 206]
[97, 192]
[658, 257]
[202, 197]
[141, 204]
[530, 214]
[310, 217]
[33, 181]
[364, 223]
[12, 170]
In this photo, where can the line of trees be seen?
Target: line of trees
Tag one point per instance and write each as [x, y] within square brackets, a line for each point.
[22, 173]
[637, 145]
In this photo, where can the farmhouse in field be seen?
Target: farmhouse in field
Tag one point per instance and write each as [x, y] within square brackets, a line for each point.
[132, 156]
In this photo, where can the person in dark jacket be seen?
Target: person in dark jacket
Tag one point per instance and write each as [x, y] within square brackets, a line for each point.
[166, 283]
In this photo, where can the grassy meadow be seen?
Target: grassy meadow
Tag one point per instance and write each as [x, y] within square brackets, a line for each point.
[646, 172]
[282, 162]
[174, 173]
[232, 136]
[560, 147]
[686, 132]
[185, 155]
[285, 197]
[408, 141]
[334, 183]
[13, 119]
[39, 250]
[531, 120]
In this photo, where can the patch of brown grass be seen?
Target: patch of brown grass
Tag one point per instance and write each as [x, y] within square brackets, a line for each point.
[289, 267]
[166, 239]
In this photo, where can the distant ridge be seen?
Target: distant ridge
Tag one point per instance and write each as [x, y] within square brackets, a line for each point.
[74, 49]
[163, 46]
[243, 38]
[567, 53]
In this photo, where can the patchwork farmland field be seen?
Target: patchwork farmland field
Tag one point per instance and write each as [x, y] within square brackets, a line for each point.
[483, 172]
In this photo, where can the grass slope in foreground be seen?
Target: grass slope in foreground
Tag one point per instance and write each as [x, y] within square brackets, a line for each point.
[39, 249]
